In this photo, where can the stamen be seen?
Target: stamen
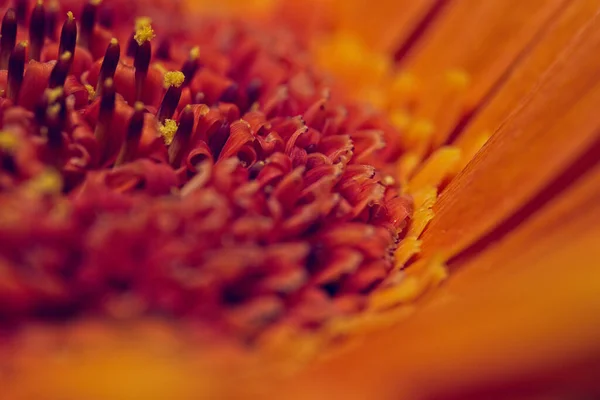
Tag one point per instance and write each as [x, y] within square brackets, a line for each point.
[255, 169]
[132, 46]
[21, 8]
[134, 133]
[168, 130]
[16, 67]
[68, 35]
[230, 94]
[91, 92]
[218, 140]
[106, 18]
[182, 136]
[37, 31]
[253, 91]
[109, 64]
[143, 33]
[52, 20]
[142, 58]
[163, 51]
[9, 37]
[107, 108]
[191, 66]
[173, 83]
[88, 21]
[59, 73]
[9, 142]
[56, 115]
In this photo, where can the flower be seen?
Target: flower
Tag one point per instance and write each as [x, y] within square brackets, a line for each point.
[215, 191]
[293, 237]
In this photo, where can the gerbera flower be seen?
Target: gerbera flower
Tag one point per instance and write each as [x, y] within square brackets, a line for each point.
[195, 209]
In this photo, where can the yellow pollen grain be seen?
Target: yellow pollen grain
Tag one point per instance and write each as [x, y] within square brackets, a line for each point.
[53, 110]
[24, 43]
[423, 275]
[54, 94]
[91, 92]
[144, 33]
[8, 142]
[400, 119]
[66, 56]
[421, 128]
[141, 21]
[138, 106]
[457, 79]
[408, 247]
[95, 2]
[161, 68]
[114, 41]
[70, 15]
[404, 85]
[437, 168]
[195, 53]
[388, 180]
[168, 130]
[174, 78]
[48, 182]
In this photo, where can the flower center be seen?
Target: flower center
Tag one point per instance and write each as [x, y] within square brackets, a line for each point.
[214, 176]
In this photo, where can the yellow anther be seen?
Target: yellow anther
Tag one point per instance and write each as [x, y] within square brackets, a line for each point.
[48, 182]
[8, 142]
[457, 79]
[53, 110]
[91, 92]
[404, 83]
[400, 119]
[143, 33]
[70, 15]
[174, 78]
[194, 53]
[141, 21]
[66, 56]
[54, 94]
[168, 130]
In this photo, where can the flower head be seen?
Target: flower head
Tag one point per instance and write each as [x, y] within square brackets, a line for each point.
[239, 193]
[268, 186]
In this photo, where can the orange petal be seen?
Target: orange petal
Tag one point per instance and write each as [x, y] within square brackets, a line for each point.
[481, 38]
[525, 75]
[386, 24]
[552, 127]
[524, 311]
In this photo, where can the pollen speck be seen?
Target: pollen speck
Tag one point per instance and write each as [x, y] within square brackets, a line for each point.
[195, 53]
[91, 92]
[8, 142]
[70, 15]
[66, 56]
[48, 182]
[458, 79]
[54, 94]
[141, 21]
